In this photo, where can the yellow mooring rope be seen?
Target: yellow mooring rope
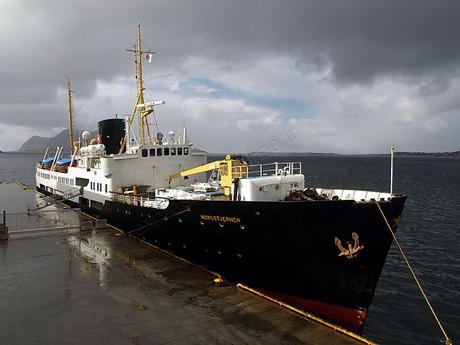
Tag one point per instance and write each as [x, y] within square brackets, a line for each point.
[448, 341]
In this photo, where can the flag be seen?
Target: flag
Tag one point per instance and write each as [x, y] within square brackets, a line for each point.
[148, 56]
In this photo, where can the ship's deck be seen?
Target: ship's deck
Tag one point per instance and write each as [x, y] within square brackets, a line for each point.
[98, 287]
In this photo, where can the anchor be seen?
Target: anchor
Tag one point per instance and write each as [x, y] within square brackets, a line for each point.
[353, 250]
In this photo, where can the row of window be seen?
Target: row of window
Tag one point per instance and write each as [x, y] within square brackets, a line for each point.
[66, 180]
[165, 151]
[43, 175]
[63, 180]
[97, 186]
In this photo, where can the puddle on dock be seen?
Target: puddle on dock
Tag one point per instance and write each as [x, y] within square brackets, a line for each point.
[96, 287]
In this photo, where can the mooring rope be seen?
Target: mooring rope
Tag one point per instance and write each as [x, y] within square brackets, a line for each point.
[422, 292]
[156, 222]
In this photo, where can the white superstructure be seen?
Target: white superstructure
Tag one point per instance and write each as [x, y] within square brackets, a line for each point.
[102, 175]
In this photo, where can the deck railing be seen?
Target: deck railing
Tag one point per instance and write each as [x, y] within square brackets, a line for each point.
[269, 169]
[130, 199]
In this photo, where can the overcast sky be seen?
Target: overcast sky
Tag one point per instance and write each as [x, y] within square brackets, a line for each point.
[244, 75]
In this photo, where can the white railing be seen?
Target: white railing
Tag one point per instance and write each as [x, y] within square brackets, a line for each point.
[158, 203]
[356, 195]
[129, 199]
[268, 169]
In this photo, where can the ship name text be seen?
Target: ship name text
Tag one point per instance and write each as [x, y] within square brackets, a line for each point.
[222, 219]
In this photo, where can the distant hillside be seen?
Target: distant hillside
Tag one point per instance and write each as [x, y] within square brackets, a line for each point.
[447, 154]
[39, 144]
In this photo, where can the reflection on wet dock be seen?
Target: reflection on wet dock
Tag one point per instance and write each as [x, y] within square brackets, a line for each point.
[99, 287]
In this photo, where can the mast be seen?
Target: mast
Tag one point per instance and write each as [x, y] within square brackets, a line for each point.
[141, 109]
[69, 109]
[140, 84]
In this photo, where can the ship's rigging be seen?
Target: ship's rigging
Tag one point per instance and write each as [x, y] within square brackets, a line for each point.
[142, 109]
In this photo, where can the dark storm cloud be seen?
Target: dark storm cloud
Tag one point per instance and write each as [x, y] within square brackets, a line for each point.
[34, 116]
[45, 41]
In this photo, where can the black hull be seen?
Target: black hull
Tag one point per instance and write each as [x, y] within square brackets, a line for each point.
[286, 249]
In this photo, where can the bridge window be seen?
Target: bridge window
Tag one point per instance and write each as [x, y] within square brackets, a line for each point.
[185, 150]
[144, 153]
[179, 151]
[152, 152]
[166, 151]
[159, 151]
[106, 187]
[173, 151]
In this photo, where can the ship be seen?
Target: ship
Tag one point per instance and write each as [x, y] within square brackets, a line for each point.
[318, 249]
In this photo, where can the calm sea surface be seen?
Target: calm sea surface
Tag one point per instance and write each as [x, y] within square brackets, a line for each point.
[429, 233]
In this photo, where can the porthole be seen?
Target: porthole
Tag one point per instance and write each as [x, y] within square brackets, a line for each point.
[219, 252]
[201, 223]
[221, 225]
[242, 226]
[179, 220]
[257, 213]
[239, 255]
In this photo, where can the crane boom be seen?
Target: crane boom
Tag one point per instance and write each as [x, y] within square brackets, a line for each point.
[229, 169]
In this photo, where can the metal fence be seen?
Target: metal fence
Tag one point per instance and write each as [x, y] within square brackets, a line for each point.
[43, 220]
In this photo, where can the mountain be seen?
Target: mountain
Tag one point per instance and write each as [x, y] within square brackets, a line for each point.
[39, 144]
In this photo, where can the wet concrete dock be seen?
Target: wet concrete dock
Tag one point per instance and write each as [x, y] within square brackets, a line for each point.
[102, 288]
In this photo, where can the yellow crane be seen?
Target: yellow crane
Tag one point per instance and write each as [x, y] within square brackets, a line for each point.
[229, 168]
